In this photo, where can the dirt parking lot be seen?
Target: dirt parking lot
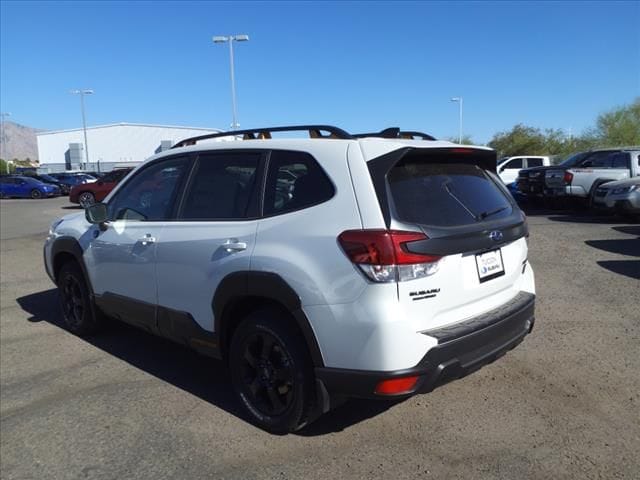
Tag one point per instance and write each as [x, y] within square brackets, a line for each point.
[128, 405]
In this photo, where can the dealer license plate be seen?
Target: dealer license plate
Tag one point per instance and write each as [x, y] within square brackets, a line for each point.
[489, 265]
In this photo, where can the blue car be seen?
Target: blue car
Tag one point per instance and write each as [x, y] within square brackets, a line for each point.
[26, 187]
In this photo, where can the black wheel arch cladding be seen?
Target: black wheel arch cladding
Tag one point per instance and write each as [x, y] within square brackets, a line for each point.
[268, 287]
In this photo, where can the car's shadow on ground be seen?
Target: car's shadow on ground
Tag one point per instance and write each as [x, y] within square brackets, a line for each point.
[575, 214]
[183, 368]
[72, 207]
[621, 246]
[628, 268]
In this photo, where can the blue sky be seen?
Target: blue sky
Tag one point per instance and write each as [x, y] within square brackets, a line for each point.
[362, 65]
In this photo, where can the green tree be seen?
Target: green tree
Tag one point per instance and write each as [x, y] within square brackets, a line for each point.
[5, 167]
[520, 140]
[618, 127]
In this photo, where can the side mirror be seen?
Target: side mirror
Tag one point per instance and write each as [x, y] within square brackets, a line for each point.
[502, 169]
[96, 213]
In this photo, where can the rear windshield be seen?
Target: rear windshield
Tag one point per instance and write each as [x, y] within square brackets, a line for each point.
[445, 194]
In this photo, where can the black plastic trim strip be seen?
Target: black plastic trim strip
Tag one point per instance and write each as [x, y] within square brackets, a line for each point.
[520, 302]
[174, 325]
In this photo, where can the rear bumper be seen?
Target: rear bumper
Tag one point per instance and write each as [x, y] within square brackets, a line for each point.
[462, 349]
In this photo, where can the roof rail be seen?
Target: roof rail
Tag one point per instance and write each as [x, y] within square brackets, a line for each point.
[395, 132]
[315, 131]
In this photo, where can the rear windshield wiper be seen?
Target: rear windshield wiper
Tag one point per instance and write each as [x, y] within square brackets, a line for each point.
[484, 215]
[448, 189]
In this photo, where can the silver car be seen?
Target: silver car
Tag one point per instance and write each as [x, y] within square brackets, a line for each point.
[622, 196]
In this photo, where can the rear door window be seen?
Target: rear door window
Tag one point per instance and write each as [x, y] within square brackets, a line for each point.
[534, 162]
[445, 194]
[223, 187]
[620, 160]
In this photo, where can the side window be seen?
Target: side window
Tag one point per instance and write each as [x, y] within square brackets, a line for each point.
[516, 163]
[620, 160]
[223, 186]
[295, 181]
[598, 160]
[108, 178]
[151, 194]
[534, 162]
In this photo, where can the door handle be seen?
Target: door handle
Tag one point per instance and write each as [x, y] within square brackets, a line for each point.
[147, 239]
[233, 245]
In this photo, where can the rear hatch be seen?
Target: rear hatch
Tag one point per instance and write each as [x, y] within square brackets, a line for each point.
[472, 227]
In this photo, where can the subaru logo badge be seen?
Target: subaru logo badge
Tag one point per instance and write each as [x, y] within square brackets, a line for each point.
[496, 235]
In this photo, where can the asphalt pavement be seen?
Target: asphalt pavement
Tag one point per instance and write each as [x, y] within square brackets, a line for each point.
[564, 404]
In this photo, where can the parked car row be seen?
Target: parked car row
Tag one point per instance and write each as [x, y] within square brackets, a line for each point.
[603, 178]
[94, 185]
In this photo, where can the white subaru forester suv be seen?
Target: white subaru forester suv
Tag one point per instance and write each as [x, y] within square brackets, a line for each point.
[372, 265]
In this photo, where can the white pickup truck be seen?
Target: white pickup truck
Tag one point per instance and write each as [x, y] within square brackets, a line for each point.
[508, 167]
[596, 168]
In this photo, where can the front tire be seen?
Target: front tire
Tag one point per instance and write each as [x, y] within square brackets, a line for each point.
[36, 194]
[78, 310]
[271, 372]
[86, 199]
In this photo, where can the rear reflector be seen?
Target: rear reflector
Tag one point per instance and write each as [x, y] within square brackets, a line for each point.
[383, 256]
[396, 386]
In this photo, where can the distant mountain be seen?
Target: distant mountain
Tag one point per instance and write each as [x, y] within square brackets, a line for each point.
[18, 141]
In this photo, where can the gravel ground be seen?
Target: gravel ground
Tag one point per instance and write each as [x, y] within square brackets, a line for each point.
[128, 405]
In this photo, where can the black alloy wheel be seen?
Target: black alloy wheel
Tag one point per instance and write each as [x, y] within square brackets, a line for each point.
[272, 372]
[35, 193]
[267, 373]
[78, 311]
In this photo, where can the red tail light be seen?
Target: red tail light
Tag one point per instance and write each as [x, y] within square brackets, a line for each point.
[383, 255]
[568, 178]
[382, 247]
[396, 386]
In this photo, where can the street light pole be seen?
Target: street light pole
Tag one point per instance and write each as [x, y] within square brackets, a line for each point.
[231, 39]
[82, 93]
[459, 100]
[2, 139]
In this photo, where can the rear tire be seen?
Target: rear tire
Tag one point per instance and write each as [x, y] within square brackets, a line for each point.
[79, 313]
[36, 194]
[272, 373]
[86, 199]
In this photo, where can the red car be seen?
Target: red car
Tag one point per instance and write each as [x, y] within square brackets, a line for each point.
[89, 193]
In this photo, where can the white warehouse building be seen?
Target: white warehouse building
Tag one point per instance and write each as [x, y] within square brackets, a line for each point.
[110, 146]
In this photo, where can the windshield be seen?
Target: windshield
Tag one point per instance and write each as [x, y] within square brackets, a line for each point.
[48, 178]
